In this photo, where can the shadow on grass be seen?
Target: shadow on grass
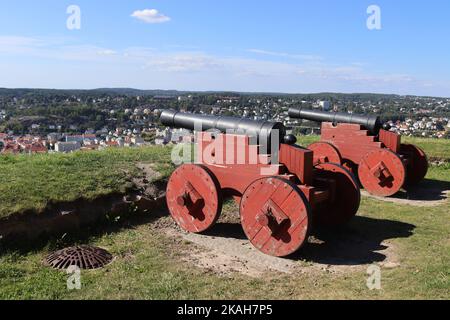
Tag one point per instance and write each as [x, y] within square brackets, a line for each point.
[88, 219]
[355, 244]
[83, 235]
[227, 230]
[427, 190]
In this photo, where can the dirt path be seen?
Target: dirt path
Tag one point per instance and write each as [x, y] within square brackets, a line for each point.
[225, 250]
[424, 195]
[227, 255]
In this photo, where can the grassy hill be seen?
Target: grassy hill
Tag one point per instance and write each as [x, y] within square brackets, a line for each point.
[30, 182]
[33, 181]
[150, 265]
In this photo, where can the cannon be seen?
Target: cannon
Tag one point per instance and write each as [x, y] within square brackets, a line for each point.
[281, 194]
[366, 147]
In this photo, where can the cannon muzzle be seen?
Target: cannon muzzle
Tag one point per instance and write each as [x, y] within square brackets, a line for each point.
[371, 123]
[260, 129]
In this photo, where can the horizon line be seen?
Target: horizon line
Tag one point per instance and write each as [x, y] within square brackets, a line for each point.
[228, 91]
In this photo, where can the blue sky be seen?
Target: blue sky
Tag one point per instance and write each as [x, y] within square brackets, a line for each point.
[241, 45]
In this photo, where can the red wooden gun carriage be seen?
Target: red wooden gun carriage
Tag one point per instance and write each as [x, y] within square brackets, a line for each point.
[281, 194]
[381, 162]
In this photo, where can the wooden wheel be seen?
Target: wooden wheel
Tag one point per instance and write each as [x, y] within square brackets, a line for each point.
[325, 152]
[345, 195]
[417, 166]
[350, 166]
[382, 173]
[194, 198]
[275, 216]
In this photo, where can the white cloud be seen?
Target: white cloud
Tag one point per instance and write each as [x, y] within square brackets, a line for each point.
[150, 16]
[18, 41]
[106, 52]
[184, 62]
[144, 67]
[285, 54]
[19, 45]
[53, 49]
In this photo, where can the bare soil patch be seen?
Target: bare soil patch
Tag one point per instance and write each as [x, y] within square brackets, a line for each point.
[147, 183]
[225, 250]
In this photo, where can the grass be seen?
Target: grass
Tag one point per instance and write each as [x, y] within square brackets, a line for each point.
[434, 148]
[305, 141]
[30, 182]
[149, 265]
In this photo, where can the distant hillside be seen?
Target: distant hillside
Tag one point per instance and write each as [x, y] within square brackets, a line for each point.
[20, 92]
[101, 91]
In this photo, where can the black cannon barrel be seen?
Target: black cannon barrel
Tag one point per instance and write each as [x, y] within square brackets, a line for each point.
[260, 129]
[371, 123]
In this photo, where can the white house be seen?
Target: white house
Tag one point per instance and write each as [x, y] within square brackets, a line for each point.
[325, 105]
[67, 146]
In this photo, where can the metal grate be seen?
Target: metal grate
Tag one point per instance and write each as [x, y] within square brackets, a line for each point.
[84, 257]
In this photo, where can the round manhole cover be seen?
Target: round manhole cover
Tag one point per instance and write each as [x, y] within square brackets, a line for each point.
[84, 257]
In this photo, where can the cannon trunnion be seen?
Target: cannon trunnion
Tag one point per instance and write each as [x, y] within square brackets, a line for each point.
[382, 163]
[281, 194]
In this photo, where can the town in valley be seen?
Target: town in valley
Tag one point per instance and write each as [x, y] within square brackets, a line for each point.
[42, 121]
